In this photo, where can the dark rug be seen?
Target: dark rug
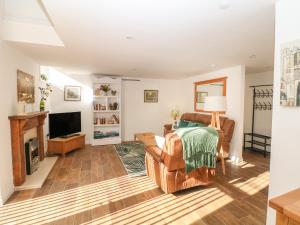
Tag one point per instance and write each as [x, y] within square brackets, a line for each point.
[132, 154]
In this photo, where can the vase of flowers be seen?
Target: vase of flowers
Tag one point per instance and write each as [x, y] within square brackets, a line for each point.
[175, 114]
[105, 88]
[45, 90]
[42, 105]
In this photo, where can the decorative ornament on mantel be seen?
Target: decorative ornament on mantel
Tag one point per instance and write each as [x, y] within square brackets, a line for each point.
[45, 90]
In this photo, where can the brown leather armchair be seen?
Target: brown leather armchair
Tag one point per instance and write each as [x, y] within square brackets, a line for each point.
[166, 166]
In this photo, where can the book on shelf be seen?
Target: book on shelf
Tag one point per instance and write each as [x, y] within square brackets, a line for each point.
[99, 134]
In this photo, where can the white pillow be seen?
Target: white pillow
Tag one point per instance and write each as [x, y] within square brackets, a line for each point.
[160, 141]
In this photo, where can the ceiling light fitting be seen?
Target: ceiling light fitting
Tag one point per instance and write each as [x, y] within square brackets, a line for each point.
[129, 37]
[224, 4]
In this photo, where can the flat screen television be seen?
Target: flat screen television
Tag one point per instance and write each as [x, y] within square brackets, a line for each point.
[64, 124]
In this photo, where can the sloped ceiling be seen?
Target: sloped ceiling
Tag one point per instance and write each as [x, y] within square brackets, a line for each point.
[158, 39]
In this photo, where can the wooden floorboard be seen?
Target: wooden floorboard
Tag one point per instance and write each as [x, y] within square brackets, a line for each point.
[91, 186]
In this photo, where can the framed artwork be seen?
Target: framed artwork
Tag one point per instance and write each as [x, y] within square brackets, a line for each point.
[201, 96]
[72, 93]
[151, 96]
[25, 87]
[290, 74]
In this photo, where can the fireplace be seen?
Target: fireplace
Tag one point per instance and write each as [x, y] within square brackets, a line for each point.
[19, 124]
[32, 155]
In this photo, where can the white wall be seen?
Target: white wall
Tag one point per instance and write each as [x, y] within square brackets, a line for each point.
[263, 119]
[285, 166]
[149, 117]
[10, 61]
[85, 106]
[235, 101]
[137, 116]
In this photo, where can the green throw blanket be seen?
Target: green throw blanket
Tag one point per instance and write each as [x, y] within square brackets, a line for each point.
[199, 147]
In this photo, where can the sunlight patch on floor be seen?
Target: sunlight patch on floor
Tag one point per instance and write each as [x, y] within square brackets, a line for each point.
[234, 180]
[169, 208]
[242, 164]
[247, 165]
[66, 203]
[254, 184]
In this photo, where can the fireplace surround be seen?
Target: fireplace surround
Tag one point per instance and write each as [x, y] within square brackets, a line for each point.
[19, 124]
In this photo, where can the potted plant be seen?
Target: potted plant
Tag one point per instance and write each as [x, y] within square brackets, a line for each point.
[105, 88]
[45, 90]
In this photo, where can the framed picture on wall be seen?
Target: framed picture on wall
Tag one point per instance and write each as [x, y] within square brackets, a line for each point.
[201, 96]
[151, 96]
[25, 87]
[72, 93]
[290, 74]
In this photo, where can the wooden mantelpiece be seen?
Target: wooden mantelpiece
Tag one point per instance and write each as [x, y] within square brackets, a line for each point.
[19, 124]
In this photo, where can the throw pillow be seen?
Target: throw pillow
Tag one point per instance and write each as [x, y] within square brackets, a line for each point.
[183, 123]
[194, 124]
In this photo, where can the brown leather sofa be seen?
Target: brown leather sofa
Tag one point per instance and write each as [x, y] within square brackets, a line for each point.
[166, 166]
[227, 127]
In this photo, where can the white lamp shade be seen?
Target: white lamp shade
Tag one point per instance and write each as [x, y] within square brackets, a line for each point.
[215, 104]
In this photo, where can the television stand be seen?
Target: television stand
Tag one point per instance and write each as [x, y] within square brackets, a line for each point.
[70, 135]
[64, 145]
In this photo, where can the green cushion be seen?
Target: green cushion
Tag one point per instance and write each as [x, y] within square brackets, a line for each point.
[193, 124]
[183, 123]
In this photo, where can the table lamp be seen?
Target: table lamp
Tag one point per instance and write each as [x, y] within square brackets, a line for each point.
[215, 105]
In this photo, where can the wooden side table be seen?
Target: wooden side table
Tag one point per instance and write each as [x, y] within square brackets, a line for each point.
[65, 145]
[287, 208]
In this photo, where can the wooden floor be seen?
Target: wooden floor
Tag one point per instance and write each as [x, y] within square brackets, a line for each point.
[91, 187]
